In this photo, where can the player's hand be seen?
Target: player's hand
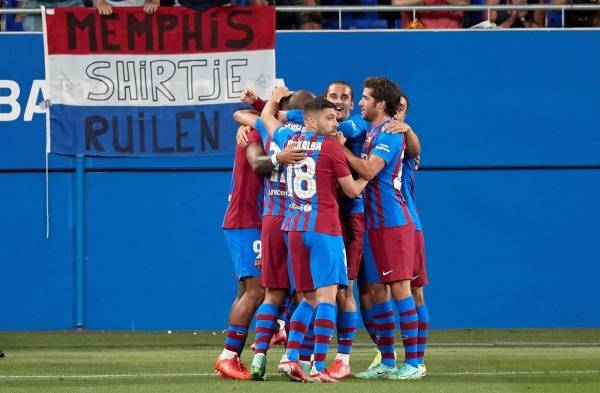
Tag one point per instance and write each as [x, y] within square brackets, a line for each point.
[291, 156]
[282, 116]
[248, 97]
[104, 8]
[280, 92]
[338, 136]
[396, 127]
[242, 136]
[151, 6]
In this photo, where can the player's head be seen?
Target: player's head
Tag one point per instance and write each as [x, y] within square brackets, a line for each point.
[380, 97]
[402, 108]
[320, 116]
[340, 93]
[296, 100]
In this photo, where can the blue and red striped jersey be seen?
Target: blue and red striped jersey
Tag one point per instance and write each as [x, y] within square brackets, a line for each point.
[354, 129]
[244, 205]
[274, 184]
[410, 166]
[311, 203]
[384, 205]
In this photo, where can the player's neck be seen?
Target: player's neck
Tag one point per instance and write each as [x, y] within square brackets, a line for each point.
[380, 119]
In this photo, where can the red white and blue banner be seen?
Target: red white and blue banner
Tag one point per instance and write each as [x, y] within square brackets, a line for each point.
[131, 84]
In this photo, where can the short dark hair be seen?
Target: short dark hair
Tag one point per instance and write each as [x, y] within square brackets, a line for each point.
[383, 89]
[318, 104]
[296, 100]
[338, 82]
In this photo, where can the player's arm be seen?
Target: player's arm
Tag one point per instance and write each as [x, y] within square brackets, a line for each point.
[258, 160]
[352, 188]
[269, 112]
[246, 117]
[413, 146]
[249, 97]
[263, 163]
[367, 169]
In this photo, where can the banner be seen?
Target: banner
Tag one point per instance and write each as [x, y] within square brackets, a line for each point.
[131, 84]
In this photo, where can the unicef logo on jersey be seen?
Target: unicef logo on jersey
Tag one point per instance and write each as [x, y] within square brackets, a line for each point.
[307, 208]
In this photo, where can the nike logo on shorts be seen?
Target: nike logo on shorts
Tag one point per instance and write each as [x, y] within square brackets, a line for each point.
[415, 277]
[388, 272]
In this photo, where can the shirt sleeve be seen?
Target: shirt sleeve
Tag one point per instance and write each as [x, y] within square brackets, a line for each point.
[262, 130]
[350, 128]
[280, 137]
[338, 159]
[295, 116]
[388, 146]
[259, 104]
[254, 137]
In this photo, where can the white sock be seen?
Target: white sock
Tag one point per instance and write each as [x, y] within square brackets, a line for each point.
[227, 354]
[281, 323]
[344, 357]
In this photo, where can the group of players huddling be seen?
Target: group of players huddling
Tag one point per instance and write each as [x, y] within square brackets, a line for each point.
[321, 198]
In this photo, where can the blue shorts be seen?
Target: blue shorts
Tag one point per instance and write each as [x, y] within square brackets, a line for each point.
[317, 260]
[244, 247]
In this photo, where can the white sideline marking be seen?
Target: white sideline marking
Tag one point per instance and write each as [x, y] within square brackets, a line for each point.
[517, 372]
[159, 375]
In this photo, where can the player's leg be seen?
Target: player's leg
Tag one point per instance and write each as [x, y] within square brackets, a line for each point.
[402, 240]
[300, 278]
[242, 245]
[266, 325]
[307, 348]
[423, 317]
[420, 279]
[353, 232]
[241, 316]
[384, 321]
[323, 301]
[346, 330]
[328, 270]
[366, 307]
[283, 315]
[274, 277]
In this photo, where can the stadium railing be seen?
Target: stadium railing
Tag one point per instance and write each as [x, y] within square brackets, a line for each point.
[339, 10]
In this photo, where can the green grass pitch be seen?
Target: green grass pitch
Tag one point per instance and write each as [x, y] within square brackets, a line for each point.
[457, 361]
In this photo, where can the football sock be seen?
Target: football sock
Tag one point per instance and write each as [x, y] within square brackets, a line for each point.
[409, 326]
[346, 330]
[423, 314]
[235, 340]
[384, 322]
[298, 325]
[266, 325]
[324, 326]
